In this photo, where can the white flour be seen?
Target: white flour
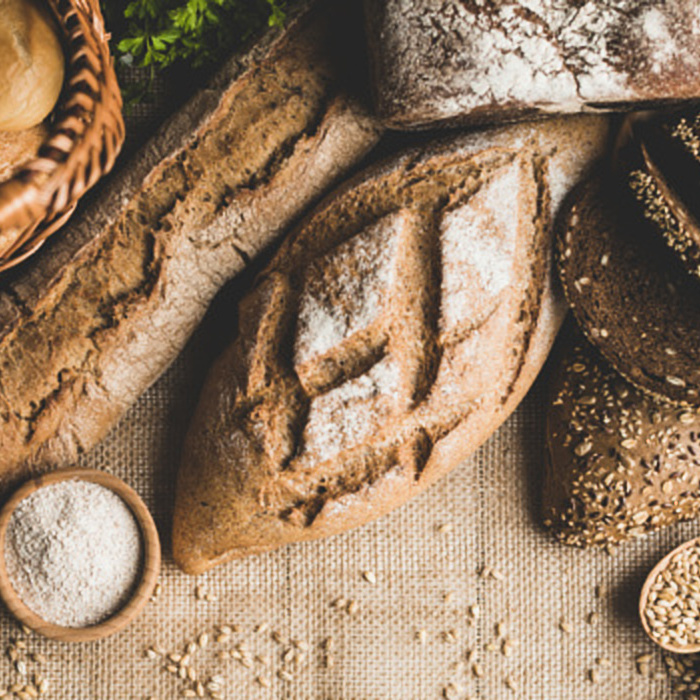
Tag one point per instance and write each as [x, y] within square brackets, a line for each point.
[477, 249]
[351, 292]
[73, 552]
[448, 57]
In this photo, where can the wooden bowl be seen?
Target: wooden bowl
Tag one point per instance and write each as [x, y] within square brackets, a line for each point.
[150, 561]
[646, 588]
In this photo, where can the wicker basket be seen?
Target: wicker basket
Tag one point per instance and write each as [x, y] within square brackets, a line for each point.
[86, 134]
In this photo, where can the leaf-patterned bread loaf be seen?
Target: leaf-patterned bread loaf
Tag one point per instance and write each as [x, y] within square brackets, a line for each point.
[393, 332]
[619, 462]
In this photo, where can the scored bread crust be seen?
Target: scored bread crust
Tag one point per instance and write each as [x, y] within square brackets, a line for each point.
[397, 327]
[100, 312]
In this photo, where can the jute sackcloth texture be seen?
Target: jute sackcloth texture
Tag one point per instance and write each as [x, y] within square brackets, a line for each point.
[426, 562]
[383, 612]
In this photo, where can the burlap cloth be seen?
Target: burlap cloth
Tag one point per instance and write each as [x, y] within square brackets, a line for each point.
[410, 632]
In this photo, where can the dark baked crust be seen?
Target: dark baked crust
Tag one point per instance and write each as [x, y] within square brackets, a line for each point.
[619, 462]
[661, 164]
[467, 62]
[443, 253]
[96, 318]
[630, 295]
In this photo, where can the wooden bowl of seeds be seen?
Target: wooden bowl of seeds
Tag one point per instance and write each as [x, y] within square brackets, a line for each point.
[669, 605]
[79, 555]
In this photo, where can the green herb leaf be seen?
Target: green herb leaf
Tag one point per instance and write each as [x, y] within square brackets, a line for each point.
[162, 33]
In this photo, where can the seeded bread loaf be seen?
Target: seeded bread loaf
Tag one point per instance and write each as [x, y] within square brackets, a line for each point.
[631, 296]
[479, 62]
[661, 163]
[619, 462]
[87, 326]
[394, 331]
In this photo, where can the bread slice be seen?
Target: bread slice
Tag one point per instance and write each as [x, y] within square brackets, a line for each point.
[619, 462]
[629, 293]
[92, 321]
[465, 61]
[662, 167]
[396, 328]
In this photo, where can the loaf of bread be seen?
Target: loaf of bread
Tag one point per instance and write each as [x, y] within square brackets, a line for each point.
[104, 309]
[630, 294]
[32, 65]
[396, 328]
[468, 62]
[620, 463]
[661, 163]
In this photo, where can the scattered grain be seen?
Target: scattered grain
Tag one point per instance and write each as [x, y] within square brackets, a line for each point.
[369, 576]
[592, 618]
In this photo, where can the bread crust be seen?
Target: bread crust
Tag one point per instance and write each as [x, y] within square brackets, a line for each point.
[631, 296]
[397, 327]
[33, 64]
[620, 464]
[103, 310]
[468, 62]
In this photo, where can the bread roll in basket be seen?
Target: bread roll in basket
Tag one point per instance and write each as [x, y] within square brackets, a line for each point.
[86, 133]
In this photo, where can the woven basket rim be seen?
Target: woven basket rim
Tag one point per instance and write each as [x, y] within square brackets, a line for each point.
[85, 134]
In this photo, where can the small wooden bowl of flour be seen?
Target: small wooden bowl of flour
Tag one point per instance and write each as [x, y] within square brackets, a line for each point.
[79, 555]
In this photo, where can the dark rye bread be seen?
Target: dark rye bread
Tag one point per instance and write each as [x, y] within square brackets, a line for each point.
[629, 293]
[661, 163]
[619, 462]
[481, 61]
[87, 326]
[396, 328]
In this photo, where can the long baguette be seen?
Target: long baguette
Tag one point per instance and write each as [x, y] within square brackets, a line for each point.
[97, 317]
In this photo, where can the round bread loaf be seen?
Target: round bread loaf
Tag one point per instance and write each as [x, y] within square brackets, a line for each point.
[630, 294]
[394, 331]
[32, 66]
[619, 462]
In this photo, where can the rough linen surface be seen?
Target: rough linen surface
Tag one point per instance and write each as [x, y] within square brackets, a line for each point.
[490, 505]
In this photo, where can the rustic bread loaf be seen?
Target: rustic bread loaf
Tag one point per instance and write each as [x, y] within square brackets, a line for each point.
[619, 462]
[394, 331]
[93, 321]
[467, 61]
[661, 163]
[631, 296]
[32, 67]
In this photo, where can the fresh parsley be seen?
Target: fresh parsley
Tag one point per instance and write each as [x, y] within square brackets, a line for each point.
[196, 33]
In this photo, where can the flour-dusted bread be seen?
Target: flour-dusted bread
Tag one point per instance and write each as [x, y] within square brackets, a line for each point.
[92, 321]
[619, 462]
[630, 294]
[394, 331]
[468, 62]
